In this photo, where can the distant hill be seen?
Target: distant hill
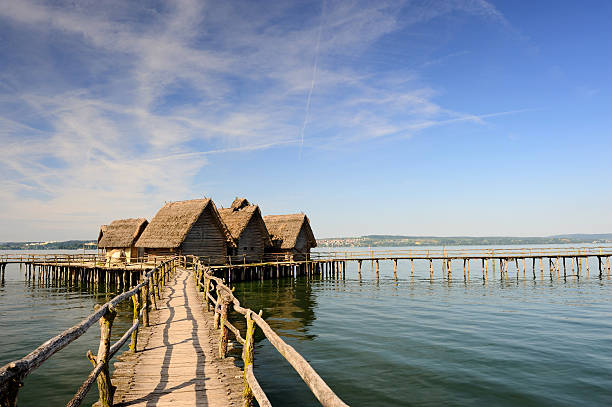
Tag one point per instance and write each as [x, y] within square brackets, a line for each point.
[65, 245]
[371, 240]
[396, 241]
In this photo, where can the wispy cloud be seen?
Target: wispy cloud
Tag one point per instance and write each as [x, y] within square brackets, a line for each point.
[113, 107]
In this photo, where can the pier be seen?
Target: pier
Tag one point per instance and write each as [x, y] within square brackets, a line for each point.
[79, 269]
[525, 262]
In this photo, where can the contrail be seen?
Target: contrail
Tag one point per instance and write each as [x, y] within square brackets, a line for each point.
[312, 82]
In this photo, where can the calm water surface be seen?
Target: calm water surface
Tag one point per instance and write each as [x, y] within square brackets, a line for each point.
[376, 342]
[31, 313]
[419, 342]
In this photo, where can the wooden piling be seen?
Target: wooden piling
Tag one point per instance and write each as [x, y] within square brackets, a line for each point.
[541, 268]
[517, 267]
[599, 265]
[395, 269]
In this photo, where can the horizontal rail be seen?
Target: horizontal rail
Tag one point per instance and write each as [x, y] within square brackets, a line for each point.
[235, 331]
[318, 387]
[76, 259]
[248, 260]
[19, 369]
[86, 386]
[258, 392]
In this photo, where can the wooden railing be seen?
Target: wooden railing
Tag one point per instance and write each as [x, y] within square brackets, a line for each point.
[223, 300]
[47, 258]
[443, 253]
[400, 253]
[13, 373]
[81, 259]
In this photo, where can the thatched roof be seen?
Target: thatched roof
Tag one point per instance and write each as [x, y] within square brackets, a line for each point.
[239, 203]
[286, 229]
[101, 232]
[121, 233]
[173, 221]
[238, 217]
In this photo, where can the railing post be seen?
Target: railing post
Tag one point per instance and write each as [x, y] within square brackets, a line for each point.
[157, 285]
[145, 304]
[216, 316]
[199, 278]
[224, 302]
[206, 291]
[247, 357]
[106, 389]
[152, 289]
[9, 397]
[134, 341]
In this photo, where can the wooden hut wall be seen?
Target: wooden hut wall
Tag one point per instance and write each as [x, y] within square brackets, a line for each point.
[251, 242]
[161, 252]
[205, 239]
[302, 246]
[127, 254]
[301, 242]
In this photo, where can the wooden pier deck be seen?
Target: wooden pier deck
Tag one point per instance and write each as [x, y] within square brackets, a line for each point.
[177, 362]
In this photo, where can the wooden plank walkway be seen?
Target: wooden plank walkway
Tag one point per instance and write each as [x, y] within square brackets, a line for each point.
[177, 361]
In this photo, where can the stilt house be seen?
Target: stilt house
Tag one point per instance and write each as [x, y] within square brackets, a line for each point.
[290, 235]
[119, 238]
[191, 227]
[248, 231]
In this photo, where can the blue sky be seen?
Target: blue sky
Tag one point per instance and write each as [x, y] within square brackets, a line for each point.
[461, 117]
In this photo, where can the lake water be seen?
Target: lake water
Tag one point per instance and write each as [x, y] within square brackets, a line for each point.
[31, 314]
[413, 341]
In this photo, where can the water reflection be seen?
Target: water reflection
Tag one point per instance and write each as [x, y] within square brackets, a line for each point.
[288, 305]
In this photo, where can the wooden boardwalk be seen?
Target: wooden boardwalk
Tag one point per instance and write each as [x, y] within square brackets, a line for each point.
[177, 363]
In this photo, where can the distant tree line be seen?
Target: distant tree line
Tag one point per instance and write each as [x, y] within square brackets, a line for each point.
[66, 245]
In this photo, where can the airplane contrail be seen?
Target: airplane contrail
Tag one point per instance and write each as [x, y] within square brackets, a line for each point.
[312, 82]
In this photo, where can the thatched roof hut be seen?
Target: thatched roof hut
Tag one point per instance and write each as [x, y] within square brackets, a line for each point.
[191, 227]
[118, 239]
[121, 232]
[290, 233]
[248, 229]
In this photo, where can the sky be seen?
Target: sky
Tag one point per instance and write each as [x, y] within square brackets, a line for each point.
[458, 117]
